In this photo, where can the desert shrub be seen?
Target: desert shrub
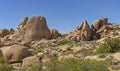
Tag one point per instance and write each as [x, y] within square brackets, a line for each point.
[36, 67]
[103, 48]
[102, 56]
[76, 65]
[2, 61]
[111, 45]
[4, 66]
[62, 42]
[39, 48]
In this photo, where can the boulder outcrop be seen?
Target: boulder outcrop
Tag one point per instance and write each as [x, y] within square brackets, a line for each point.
[4, 32]
[54, 33]
[98, 24]
[31, 29]
[82, 32]
[22, 23]
[96, 28]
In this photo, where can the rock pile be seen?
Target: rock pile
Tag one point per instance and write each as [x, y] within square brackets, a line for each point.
[5, 32]
[54, 33]
[82, 32]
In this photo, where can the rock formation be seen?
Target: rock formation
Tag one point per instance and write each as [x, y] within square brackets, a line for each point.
[98, 24]
[4, 32]
[85, 31]
[22, 23]
[54, 33]
[96, 27]
[27, 47]
[33, 28]
[82, 32]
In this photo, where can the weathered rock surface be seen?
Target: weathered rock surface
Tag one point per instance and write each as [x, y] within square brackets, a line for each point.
[15, 53]
[86, 32]
[98, 24]
[116, 56]
[55, 34]
[82, 32]
[22, 23]
[97, 27]
[4, 32]
[29, 61]
[34, 28]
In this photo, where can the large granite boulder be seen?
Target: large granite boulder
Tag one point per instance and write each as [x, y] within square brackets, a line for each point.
[15, 53]
[85, 31]
[31, 29]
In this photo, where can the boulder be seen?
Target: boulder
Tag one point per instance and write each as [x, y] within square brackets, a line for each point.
[85, 31]
[15, 53]
[29, 61]
[34, 28]
[3, 33]
[97, 27]
[99, 23]
[82, 32]
[77, 49]
[116, 56]
[66, 57]
[22, 23]
[11, 31]
[55, 34]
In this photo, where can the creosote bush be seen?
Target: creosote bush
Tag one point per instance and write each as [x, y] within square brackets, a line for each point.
[76, 65]
[111, 45]
[4, 66]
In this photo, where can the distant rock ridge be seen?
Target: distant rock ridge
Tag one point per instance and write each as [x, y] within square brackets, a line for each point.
[35, 28]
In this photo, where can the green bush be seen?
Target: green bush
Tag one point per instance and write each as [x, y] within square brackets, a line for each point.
[5, 67]
[36, 67]
[2, 61]
[111, 45]
[62, 42]
[76, 65]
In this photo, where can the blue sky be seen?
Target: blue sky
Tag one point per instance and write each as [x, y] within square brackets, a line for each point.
[64, 15]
